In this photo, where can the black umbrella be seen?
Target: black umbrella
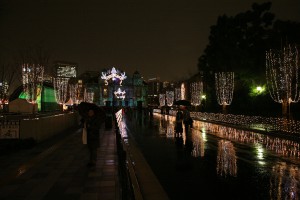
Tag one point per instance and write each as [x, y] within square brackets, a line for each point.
[182, 103]
[84, 107]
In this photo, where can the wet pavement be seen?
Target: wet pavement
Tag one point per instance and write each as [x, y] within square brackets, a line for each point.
[217, 162]
[57, 169]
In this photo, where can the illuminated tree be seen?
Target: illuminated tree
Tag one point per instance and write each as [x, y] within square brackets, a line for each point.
[177, 94]
[170, 97]
[282, 76]
[224, 82]
[32, 80]
[196, 92]
[162, 99]
[33, 62]
[8, 74]
[61, 89]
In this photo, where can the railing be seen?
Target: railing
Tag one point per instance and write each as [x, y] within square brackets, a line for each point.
[134, 169]
[129, 184]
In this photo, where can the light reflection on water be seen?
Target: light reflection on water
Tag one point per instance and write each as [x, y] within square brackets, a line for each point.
[284, 177]
[226, 159]
[284, 181]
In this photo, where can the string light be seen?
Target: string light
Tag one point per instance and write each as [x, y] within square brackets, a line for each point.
[61, 89]
[282, 75]
[177, 94]
[120, 94]
[196, 92]
[88, 96]
[162, 99]
[170, 97]
[253, 122]
[224, 87]
[113, 74]
[32, 79]
[183, 95]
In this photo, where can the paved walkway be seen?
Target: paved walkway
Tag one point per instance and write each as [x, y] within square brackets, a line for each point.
[57, 169]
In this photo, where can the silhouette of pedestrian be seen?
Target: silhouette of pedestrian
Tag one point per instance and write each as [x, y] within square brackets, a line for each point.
[178, 124]
[186, 119]
[93, 127]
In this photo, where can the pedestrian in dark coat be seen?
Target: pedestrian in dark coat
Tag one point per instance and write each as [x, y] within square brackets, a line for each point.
[93, 137]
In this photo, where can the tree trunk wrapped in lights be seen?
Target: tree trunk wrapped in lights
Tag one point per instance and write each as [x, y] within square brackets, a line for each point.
[282, 76]
[61, 89]
[224, 88]
[170, 97]
[32, 79]
[162, 99]
[196, 92]
[177, 95]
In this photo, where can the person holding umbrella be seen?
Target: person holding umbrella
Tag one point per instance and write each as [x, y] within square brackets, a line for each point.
[186, 119]
[93, 126]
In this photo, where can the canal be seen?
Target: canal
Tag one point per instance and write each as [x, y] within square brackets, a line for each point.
[216, 162]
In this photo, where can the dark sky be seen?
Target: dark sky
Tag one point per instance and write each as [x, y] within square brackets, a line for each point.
[158, 38]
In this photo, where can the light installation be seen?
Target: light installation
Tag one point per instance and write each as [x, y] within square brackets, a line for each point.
[224, 88]
[162, 99]
[282, 76]
[61, 89]
[73, 90]
[196, 92]
[113, 75]
[182, 91]
[3, 92]
[170, 97]
[120, 94]
[177, 94]
[88, 96]
[32, 79]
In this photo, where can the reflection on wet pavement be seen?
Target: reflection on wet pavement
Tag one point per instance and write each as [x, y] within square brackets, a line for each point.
[260, 166]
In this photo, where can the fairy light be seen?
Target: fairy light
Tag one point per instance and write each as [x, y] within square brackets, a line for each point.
[196, 92]
[162, 99]
[113, 74]
[61, 89]
[224, 87]
[177, 94]
[253, 122]
[282, 75]
[32, 80]
[3, 91]
[88, 96]
[182, 92]
[170, 97]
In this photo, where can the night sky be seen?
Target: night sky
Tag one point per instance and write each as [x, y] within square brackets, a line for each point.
[158, 38]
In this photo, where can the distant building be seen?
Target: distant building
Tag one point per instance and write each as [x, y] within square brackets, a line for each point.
[65, 69]
[154, 88]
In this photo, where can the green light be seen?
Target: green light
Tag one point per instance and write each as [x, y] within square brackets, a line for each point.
[257, 90]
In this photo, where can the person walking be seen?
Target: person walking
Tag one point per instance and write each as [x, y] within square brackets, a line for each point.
[93, 136]
[186, 119]
[178, 125]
